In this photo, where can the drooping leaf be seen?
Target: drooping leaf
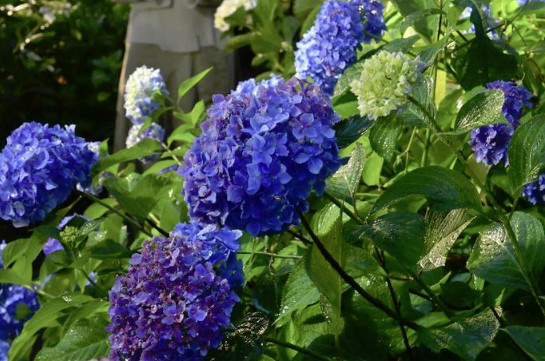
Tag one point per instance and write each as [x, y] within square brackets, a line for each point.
[526, 152]
[85, 340]
[447, 188]
[442, 230]
[465, 338]
[530, 339]
[384, 135]
[298, 293]
[483, 109]
[495, 260]
[344, 183]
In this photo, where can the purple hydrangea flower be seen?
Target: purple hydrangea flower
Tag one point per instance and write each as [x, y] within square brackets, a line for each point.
[177, 297]
[491, 142]
[39, 167]
[140, 101]
[262, 150]
[155, 131]
[14, 301]
[516, 99]
[535, 192]
[331, 45]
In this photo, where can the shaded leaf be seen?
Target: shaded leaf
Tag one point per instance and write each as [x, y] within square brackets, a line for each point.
[530, 339]
[351, 129]
[483, 109]
[143, 149]
[344, 183]
[494, 258]
[384, 135]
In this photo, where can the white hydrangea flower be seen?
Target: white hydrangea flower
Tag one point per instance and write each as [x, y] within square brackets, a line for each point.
[227, 8]
[138, 93]
[385, 80]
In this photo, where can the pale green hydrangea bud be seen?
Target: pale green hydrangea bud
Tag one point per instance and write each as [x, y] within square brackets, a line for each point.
[385, 80]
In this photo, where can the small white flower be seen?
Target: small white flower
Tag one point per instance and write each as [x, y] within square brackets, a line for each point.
[228, 8]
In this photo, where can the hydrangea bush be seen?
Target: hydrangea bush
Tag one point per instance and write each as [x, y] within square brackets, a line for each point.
[376, 194]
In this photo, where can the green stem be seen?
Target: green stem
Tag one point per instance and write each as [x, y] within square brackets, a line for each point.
[534, 288]
[122, 215]
[343, 208]
[275, 255]
[352, 282]
[296, 348]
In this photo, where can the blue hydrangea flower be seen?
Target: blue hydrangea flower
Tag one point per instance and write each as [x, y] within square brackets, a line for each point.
[97, 189]
[262, 150]
[17, 304]
[154, 131]
[517, 98]
[39, 167]
[140, 98]
[4, 350]
[177, 297]
[491, 142]
[535, 192]
[331, 45]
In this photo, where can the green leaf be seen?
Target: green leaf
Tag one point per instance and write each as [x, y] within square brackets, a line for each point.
[533, 7]
[239, 41]
[300, 6]
[530, 339]
[465, 338]
[147, 192]
[143, 149]
[416, 17]
[85, 340]
[45, 317]
[408, 7]
[483, 109]
[429, 53]
[526, 152]
[401, 234]
[372, 169]
[350, 74]
[298, 293]
[191, 82]
[442, 230]
[403, 45]
[384, 135]
[327, 225]
[494, 258]
[351, 129]
[459, 295]
[109, 250]
[347, 110]
[447, 188]
[344, 183]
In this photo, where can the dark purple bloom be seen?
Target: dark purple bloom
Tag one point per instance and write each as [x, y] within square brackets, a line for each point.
[331, 45]
[17, 304]
[517, 98]
[39, 167]
[491, 142]
[177, 297]
[262, 150]
[535, 192]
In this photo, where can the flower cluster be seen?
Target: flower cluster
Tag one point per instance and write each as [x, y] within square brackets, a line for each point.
[141, 93]
[491, 142]
[91, 189]
[228, 8]
[52, 244]
[39, 167]
[17, 304]
[331, 45]
[386, 79]
[262, 150]
[535, 192]
[177, 296]
[154, 131]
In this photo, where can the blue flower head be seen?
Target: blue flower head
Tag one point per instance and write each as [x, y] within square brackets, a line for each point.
[177, 297]
[17, 304]
[262, 150]
[517, 98]
[535, 192]
[491, 142]
[331, 45]
[95, 189]
[139, 93]
[39, 167]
